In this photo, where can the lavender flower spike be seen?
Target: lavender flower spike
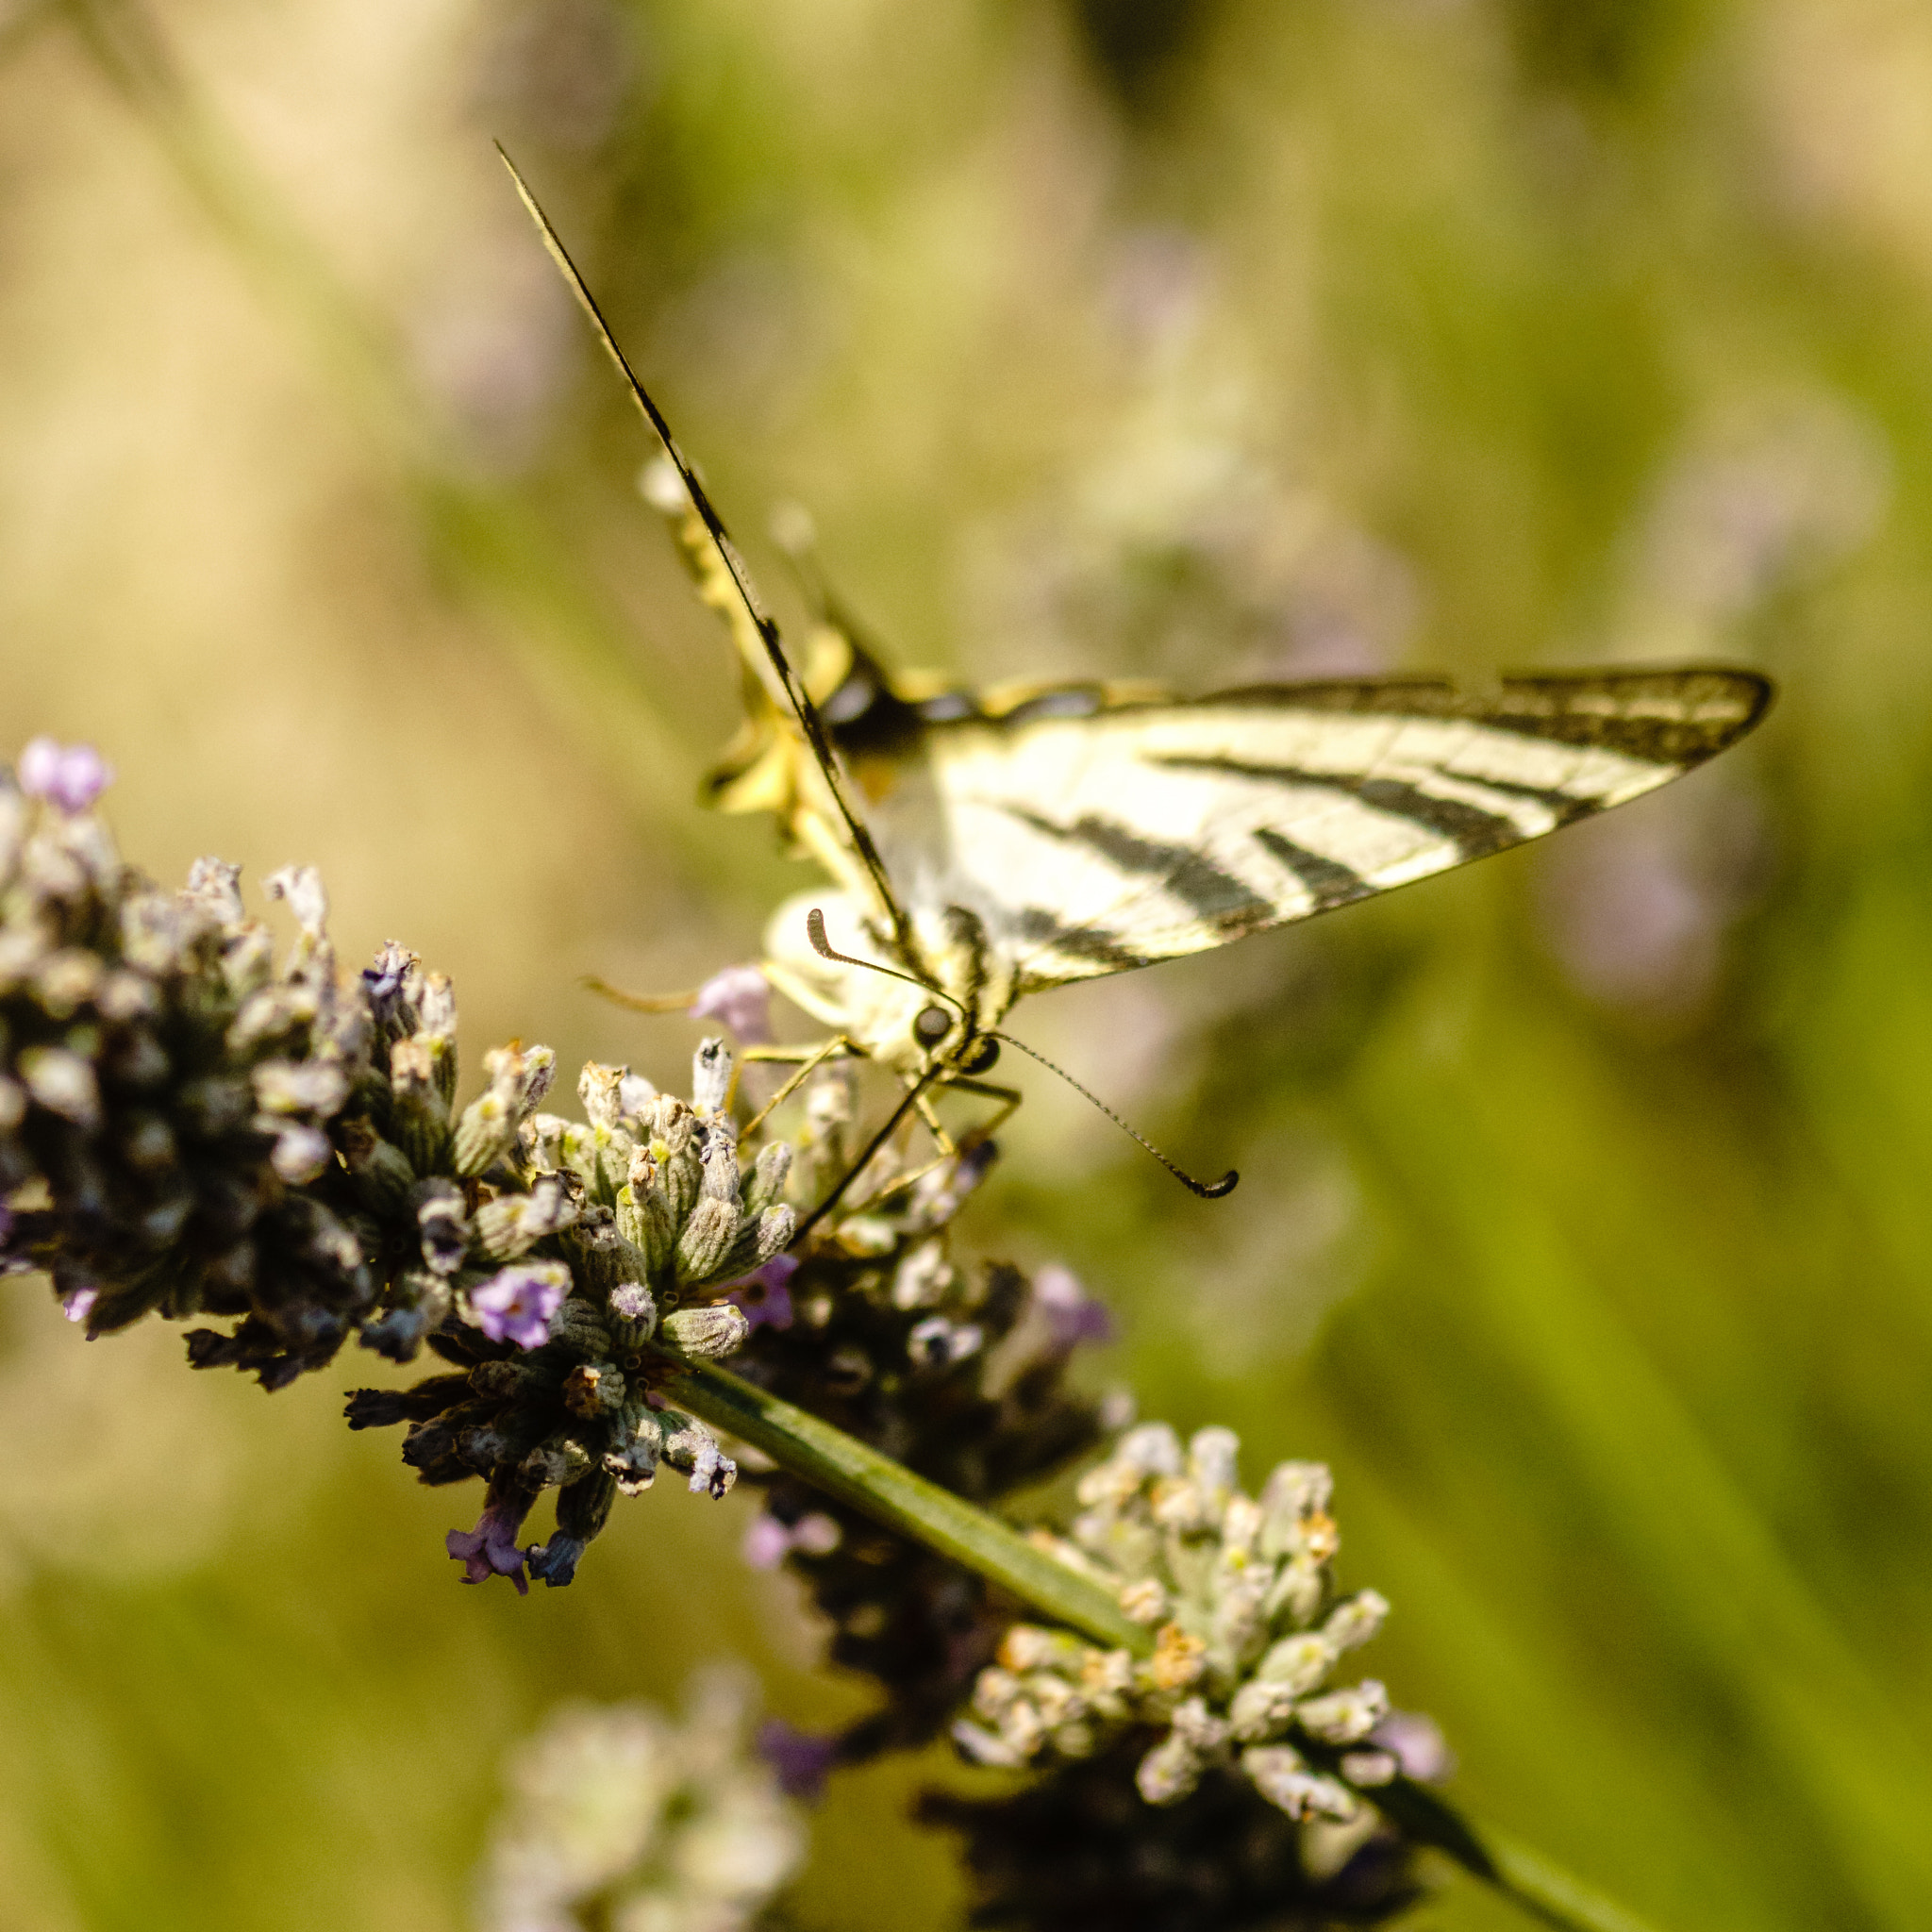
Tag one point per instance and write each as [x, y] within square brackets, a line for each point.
[741, 999]
[802, 1758]
[517, 1305]
[69, 776]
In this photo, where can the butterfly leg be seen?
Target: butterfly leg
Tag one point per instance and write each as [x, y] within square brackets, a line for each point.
[1008, 1097]
[640, 1001]
[806, 1058]
[929, 1114]
[949, 1147]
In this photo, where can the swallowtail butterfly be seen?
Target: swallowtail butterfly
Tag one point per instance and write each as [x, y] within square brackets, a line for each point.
[990, 844]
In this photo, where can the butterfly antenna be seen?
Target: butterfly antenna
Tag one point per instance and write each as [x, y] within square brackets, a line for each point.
[815, 932]
[816, 737]
[1207, 1191]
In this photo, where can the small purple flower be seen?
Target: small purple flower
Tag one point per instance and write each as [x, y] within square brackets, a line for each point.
[765, 1293]
[770, 1541]
[69, 776]
[1073, 1315]
[77, 1304]
[767, 1544]
[741, 998]
[557, 1561]
[491, 1549]
[517, 1305]
[382, 983]
[801, 1759]
[1417, 1745]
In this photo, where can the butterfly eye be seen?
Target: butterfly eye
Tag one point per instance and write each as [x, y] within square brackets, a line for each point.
[932, 1025]
[980, 1056]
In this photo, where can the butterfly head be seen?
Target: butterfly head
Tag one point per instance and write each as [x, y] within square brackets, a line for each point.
[951, 1041]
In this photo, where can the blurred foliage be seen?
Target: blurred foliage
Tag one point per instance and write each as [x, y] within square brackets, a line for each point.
[1584, 1224]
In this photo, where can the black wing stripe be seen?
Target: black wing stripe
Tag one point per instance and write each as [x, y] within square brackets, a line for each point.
[1193, 878]
[1044, 928]
[1329, 883]
[1475, 831]
[1563, 806]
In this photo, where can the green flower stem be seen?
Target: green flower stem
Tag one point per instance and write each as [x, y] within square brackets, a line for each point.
[846, 1469]
[891, 1495]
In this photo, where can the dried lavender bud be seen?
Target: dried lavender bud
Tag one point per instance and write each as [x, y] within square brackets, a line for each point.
[512, 1224]
[710, 1078]
[766, 1187]
[707, 1334]
[600, 1090]
[603, 1257]
[631, 1302]
[418, 1303]
[645, 1216]
[419, 1112]
[674, 1147]
[705, 1243]
[637, 1442]
[518, 1078]
[692, 1447]
[442, 1225]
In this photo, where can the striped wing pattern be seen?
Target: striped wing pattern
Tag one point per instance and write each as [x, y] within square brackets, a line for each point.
[1089, 844]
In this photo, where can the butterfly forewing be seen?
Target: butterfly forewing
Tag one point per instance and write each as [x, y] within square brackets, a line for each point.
[1091, 843]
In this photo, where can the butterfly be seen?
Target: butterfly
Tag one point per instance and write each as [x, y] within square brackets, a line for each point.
[989, 844]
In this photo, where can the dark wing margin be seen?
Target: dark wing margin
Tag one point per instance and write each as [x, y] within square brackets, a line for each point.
[795, 693]
[1677, 715]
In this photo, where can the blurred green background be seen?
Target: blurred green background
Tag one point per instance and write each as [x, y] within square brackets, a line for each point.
[1585, 1223]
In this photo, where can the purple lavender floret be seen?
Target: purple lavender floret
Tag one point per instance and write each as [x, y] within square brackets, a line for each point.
[1417, 1744]
[491, 1549]
[69, 776]
[801, 1759]
[1075, 1315]
[517, 1305]
[766, 1543]
[382, 983]
[556, 1561]
[765, 1293]
[740, 998]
